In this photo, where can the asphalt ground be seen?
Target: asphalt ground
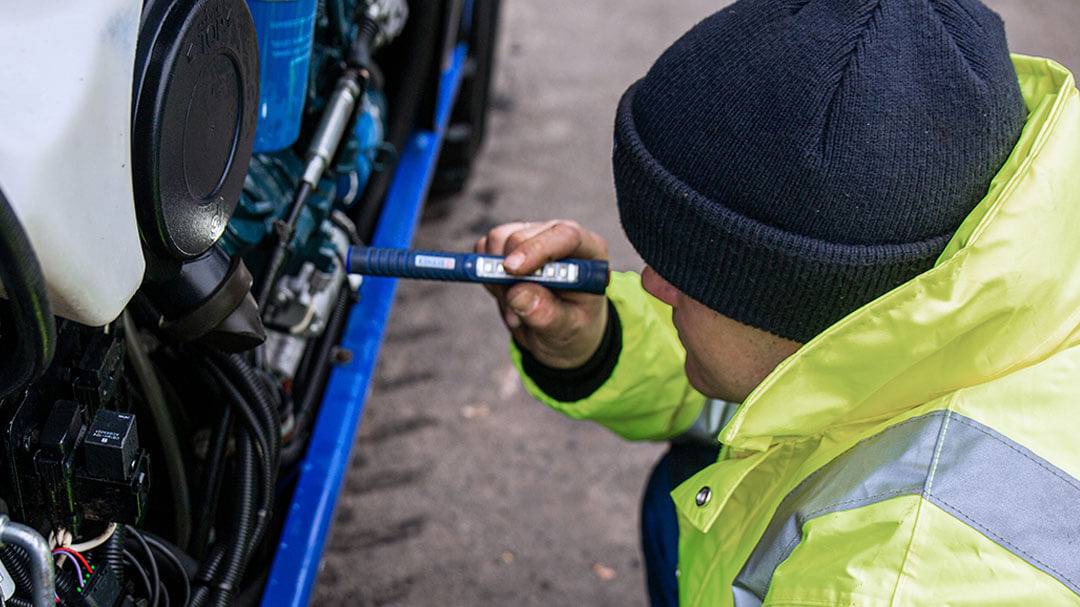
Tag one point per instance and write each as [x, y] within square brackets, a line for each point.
[463, 490]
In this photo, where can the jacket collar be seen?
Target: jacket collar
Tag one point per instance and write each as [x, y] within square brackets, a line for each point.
[1002, 296]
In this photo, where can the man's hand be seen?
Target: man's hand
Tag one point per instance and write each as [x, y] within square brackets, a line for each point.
[561, 329]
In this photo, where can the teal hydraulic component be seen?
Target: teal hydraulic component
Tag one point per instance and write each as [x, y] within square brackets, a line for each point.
[272, 179]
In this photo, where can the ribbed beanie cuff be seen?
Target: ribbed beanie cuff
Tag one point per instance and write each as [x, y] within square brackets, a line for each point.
[787, 284]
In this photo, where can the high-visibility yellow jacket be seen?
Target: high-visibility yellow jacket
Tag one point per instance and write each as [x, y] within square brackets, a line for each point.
[925, 450]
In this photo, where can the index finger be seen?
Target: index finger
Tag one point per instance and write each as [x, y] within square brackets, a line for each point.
[561, 240]
[497, 237]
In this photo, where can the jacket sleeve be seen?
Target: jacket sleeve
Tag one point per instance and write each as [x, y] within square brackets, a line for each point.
[647, 396]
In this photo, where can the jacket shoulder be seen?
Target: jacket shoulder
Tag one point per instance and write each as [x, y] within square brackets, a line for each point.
[907, 551]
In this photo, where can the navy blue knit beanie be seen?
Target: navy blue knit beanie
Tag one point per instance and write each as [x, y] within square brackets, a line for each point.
[787, 161]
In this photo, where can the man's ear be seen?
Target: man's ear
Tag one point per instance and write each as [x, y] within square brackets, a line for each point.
[659, 288]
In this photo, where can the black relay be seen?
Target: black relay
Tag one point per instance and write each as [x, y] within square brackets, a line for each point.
[111, 446]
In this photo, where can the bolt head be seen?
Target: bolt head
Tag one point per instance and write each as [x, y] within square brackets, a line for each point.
[341, 356]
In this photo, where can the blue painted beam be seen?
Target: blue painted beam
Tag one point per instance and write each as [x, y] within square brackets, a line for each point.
[311, 512]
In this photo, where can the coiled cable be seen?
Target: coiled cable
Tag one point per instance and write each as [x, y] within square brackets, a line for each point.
[39, 557]
[17, 562]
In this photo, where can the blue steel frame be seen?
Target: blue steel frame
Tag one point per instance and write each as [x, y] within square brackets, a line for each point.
[311, 512]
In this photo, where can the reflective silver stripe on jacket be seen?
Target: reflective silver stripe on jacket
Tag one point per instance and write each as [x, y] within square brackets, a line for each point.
[1012, 496]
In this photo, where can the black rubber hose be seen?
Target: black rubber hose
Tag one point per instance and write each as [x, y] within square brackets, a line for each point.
[216, 378]
[339, 22]
[34, 328]
[206, 575]
[212, 487]
[112, 553]
[247, 416]
[266, 409]
[18, 601]
[254, 429]
[274, 390]
[359, 55]
[220, 576]
[239, 545]
[304, 370]
[17, 563]
[265, 473]
[255, 389]
[259, 381]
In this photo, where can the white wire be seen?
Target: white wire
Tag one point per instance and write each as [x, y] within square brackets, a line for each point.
[59, 537]
[305, 322]
[95, 542]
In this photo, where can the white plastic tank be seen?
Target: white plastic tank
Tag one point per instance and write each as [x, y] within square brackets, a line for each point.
[66, 71]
